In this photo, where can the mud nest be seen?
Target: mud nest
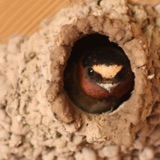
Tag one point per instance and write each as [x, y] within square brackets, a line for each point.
[38, 118]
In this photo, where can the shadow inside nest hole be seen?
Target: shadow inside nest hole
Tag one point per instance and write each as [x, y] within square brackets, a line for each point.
[98, 76]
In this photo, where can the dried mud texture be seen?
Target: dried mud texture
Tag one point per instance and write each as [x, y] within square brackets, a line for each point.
[37, 119]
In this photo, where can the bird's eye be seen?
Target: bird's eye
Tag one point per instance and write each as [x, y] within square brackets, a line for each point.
[90, 72]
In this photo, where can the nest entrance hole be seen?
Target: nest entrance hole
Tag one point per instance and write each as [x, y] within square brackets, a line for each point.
[71, 84]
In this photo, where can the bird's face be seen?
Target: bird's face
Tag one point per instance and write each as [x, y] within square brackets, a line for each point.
[106, 68]
[106, 76]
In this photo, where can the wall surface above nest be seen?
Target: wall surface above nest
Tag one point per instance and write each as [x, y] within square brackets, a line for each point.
[38, 117]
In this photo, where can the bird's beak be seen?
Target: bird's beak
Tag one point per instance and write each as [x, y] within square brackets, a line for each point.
[108, 86]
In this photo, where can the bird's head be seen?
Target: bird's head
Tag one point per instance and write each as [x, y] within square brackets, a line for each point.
[106, 67]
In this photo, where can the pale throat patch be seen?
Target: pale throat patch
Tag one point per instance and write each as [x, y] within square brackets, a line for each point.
[107, 71]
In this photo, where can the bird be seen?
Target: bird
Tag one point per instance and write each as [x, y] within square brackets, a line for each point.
[99, 79]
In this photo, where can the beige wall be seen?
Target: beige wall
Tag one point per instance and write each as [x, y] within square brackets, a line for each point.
[24, 16]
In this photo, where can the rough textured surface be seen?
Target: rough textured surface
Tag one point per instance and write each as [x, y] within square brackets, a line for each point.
[37, 119]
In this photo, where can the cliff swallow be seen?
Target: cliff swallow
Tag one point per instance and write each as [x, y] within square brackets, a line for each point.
[100, 80]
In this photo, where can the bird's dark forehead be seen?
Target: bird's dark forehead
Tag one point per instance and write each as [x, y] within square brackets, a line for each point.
[104, 55]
